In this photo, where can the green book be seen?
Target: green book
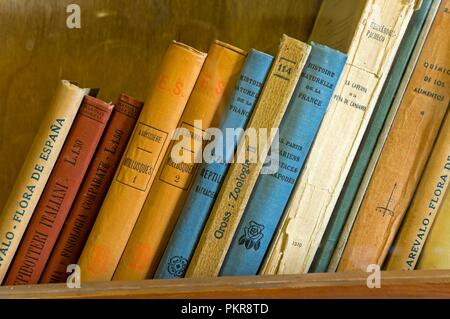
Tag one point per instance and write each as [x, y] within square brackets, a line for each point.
[411, 42]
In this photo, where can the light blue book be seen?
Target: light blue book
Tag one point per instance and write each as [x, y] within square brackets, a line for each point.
[297, 132]
[209, 177]
[339, 217]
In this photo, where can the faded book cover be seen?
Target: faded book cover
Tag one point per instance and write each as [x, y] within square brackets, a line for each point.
[343, 215]
[375, 43]
[421, 214]
[242, 175]
[404, 154]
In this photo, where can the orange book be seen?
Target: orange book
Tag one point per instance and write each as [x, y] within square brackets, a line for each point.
[160, 115]
[405, 153]
[158, 217]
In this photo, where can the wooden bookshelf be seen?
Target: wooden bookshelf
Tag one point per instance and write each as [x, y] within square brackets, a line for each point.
[118, 49]
[416, 284]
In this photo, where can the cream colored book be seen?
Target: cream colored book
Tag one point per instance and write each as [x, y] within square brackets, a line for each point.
[427, 200]
[334, 262]
[373, 47]
[404, 155]
[241, 177]
[36, 169]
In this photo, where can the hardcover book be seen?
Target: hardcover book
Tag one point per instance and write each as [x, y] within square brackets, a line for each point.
[404, 154]
[206, 105]
[209, 176]
[370, 56]
[93, 190]
[143, 156]
[393, 86]
[242, 175]
[36, 169]
[60, 191]
[297, 132]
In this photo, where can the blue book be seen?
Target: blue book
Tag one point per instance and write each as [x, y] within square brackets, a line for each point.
[297, 132]
[334, 229]
[209, 177]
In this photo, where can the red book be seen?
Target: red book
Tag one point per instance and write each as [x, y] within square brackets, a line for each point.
[87, 204]
[59, 193]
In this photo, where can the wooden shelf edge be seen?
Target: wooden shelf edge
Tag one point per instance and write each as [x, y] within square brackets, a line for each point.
[416, 284]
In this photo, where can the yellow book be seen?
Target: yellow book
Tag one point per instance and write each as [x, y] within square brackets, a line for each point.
[436, 252]
[375, 39]
[165, 200]
[160, 115]
[241, 177]
[420, 216]
[36, 169]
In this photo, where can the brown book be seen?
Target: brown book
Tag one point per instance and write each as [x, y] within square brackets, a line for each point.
[405, 152]
[60, 192]
[87, 204]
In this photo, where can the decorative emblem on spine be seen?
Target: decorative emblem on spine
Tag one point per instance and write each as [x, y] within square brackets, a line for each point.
[177, 266]
[252, 236]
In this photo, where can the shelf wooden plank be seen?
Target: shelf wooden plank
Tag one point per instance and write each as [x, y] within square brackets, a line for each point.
[416, 284]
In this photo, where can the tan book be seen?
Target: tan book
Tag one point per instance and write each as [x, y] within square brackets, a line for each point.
[374, 43]
[165, 200]
[345, 233]
[405, 153]
[242, 175]
[36, 169]
[420, 216]
[160, 115]
[436, 252]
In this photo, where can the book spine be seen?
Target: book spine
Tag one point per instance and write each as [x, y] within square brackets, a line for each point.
[36, 170]
[420, 216]
[205, 108]
[345, 233]
[344, 204]
[405, 153]
[370, 57]
[297, 132]
[436, 252]
[60, 191]
[210, 176]
[242, 175]
[143, 156]
[93, 190]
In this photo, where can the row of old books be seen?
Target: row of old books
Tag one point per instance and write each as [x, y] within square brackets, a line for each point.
[338, 159]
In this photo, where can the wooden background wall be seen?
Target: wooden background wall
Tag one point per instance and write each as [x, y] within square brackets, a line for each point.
[118, 49]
